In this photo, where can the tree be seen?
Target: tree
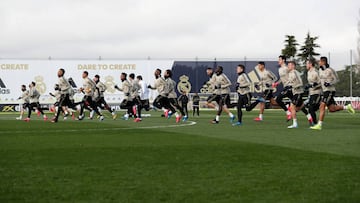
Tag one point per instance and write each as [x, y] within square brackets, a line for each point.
[308, 49]
[290, 47]
[343, 86]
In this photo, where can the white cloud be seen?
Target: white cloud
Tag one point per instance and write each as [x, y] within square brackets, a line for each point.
[160, 28]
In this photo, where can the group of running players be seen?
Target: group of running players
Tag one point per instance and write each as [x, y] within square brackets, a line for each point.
[320, 85]
[135, 90]
[93, 91]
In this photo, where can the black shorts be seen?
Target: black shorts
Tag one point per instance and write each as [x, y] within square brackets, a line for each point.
[286, 92]
[244, 100]
[297, 100]
[100, 101]
[268, 94]
[328, 98]
[314, 101]
[174, 101]
[146, 104]
[34, 104]
[159, 101]
[125, 104]
[88, 101]
[64, 100]
[225, 99]
[137, 100]
[25, 105]
[214, 97]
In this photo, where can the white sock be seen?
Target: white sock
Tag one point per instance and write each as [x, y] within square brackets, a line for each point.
[217, 118]
[345, 107]
[320, 123]
[261, 116]
[288, 112]
[231, 115]
[295, 122]
[308, 116]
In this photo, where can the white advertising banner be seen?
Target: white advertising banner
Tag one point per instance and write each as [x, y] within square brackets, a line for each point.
[14, 73]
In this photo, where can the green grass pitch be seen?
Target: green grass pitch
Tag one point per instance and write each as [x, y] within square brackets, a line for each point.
[158, 160]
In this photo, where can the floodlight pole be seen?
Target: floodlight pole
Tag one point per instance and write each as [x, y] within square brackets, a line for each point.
[351, 70]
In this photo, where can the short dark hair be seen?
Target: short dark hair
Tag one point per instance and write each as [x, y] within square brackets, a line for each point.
[209, 68]
[169, 72]
[293, 62]
[242, 66]
[124, 74]
[325, 59]
[158, 69]
[283, 57]
[139, 77]
[132, 75]
[312, 62]
[261, 63]
[33, 83]
[87, 73]
[62, 70]
[23, 86]
[97, 76]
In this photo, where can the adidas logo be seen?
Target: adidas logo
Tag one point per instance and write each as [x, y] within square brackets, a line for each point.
[3, 89]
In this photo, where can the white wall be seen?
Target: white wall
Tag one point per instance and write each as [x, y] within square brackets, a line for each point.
[14, 73]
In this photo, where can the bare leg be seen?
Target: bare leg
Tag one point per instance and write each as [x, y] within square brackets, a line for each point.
[262, 107]
[293, 111]
[231, 115]
[322, 111]
[335, 108]
[210, 105]
[273, 102]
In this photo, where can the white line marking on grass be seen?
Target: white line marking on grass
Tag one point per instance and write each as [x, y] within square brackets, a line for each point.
[189, 123]
[165, 126]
